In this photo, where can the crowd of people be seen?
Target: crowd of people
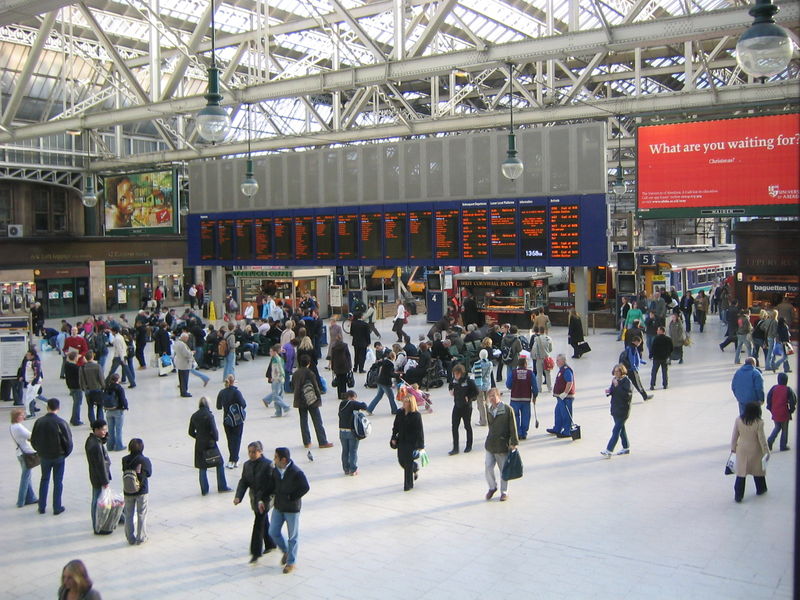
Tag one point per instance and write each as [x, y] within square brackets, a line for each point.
[470, 356]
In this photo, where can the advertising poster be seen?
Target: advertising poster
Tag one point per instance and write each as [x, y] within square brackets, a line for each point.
[733, 167]
[140, 203]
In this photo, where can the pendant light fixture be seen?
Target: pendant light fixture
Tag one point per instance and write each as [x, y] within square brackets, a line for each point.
[765, 48]
[512, 166]
[89, 197]
[249, 184]
[620, 186]
[213, 122]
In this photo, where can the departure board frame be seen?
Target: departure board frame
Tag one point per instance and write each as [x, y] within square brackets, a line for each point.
[583, 220]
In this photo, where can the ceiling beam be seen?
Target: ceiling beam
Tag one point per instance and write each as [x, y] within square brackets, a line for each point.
[694, 101]
[712, 25]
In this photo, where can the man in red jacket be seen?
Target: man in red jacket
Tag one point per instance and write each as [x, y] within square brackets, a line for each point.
[77, 342]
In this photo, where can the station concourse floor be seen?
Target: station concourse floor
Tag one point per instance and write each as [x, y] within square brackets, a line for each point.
[660, 523]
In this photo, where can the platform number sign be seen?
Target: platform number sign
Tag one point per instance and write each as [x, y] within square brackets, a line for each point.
[647, 260]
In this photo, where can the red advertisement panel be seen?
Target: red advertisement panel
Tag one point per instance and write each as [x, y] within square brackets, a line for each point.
[741, 166]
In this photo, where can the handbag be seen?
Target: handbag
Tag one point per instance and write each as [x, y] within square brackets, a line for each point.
[788, 349]
[351, 380]
[212, 457]
[512, 468]
[730, 465]
[31, 460]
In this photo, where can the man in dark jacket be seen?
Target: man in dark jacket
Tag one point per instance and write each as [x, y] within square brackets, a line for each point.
[289, 486]
[361, 340]
[257, 476]
[732, 321]
[501, 438]
[99, 463]
[662, 349]
[52, 439]
[464, 393]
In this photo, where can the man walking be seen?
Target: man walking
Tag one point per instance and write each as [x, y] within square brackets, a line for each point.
[289, 486]
[99, 464]
[52, 439]
[369, 318]
[257, 477]
[501, 439]
[747, 385]
[661, 351]
[361, 340]
[183, 359]
[120, 357]
[229, 358]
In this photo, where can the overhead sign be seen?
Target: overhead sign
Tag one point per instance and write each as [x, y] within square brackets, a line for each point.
[732, 167]
[528, 232]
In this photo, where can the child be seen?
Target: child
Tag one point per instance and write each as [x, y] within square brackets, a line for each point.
[136, 496]
[781, 402]
[346, 434]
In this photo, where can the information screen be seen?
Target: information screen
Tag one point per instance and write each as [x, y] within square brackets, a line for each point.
[564, 231]
[283, 238]
[303, 238]
[348, 236]
[558, 231]
[225, 239]
[395, 236]
[263, 239]
[475, 231]
[244, 240]
[447, 234]
[534, 238]
[420, 224]
[324, 225]
[371, 236]
[504, 232]
[208, 250]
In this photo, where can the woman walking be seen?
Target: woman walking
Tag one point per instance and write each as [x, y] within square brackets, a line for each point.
[400, 319]
[750, 446]
[341, 365]
[136, 473]
[781, 402]
[621, 392]
[29, 375]
[276, 376]
[575, 333]
[206, 452]
[232, 404]
[305, 382]
[22, 438]
[408, 438]
[347, 434]
[677, 333]
[116, 403]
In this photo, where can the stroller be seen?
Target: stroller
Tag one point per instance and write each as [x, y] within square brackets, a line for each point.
[435, 376]
[423, 398]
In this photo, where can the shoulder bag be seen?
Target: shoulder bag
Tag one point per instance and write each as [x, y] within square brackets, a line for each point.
[31, 460]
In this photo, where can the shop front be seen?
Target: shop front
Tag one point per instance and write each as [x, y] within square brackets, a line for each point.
[289, 285]
[63, 292]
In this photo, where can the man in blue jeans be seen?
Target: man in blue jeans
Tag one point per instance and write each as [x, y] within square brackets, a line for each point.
[99, 464]
[52, 439]
[229, 360]
[384, 382]
[289, 486]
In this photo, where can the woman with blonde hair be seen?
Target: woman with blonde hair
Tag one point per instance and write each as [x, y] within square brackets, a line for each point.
[22, 438]
[408, 437]
[76, 583]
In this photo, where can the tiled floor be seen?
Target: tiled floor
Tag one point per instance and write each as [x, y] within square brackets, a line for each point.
[660, 523]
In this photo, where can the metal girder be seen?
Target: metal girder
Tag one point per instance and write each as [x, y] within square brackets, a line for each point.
[359, 31]
[659, 33]
[444, 8]
[183, 62]
[30, 64]
[730, 99]
[123, 69]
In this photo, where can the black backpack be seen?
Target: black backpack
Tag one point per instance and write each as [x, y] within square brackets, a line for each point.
[759, 331]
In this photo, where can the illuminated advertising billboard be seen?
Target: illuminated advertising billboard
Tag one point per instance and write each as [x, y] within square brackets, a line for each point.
[733, 167]
[140, 203]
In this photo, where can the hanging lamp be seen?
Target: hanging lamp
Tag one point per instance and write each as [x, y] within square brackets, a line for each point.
[249, 185]
[512, 166]
[213, 122]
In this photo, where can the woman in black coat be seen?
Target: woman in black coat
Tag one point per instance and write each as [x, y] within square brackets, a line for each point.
[621, 392]
[408, 439]
[341, 365]
[232, 404]
[575, 333]
[204, 431]
[162, 344]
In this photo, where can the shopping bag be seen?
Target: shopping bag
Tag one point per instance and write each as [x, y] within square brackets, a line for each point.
[730, 466]
[512, 469]
[108, 511]
[424, 461]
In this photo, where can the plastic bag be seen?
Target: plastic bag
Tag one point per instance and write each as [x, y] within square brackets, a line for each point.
[108, 511]
[424, 461]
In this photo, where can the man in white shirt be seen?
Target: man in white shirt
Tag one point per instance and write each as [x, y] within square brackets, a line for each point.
[119, 356]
